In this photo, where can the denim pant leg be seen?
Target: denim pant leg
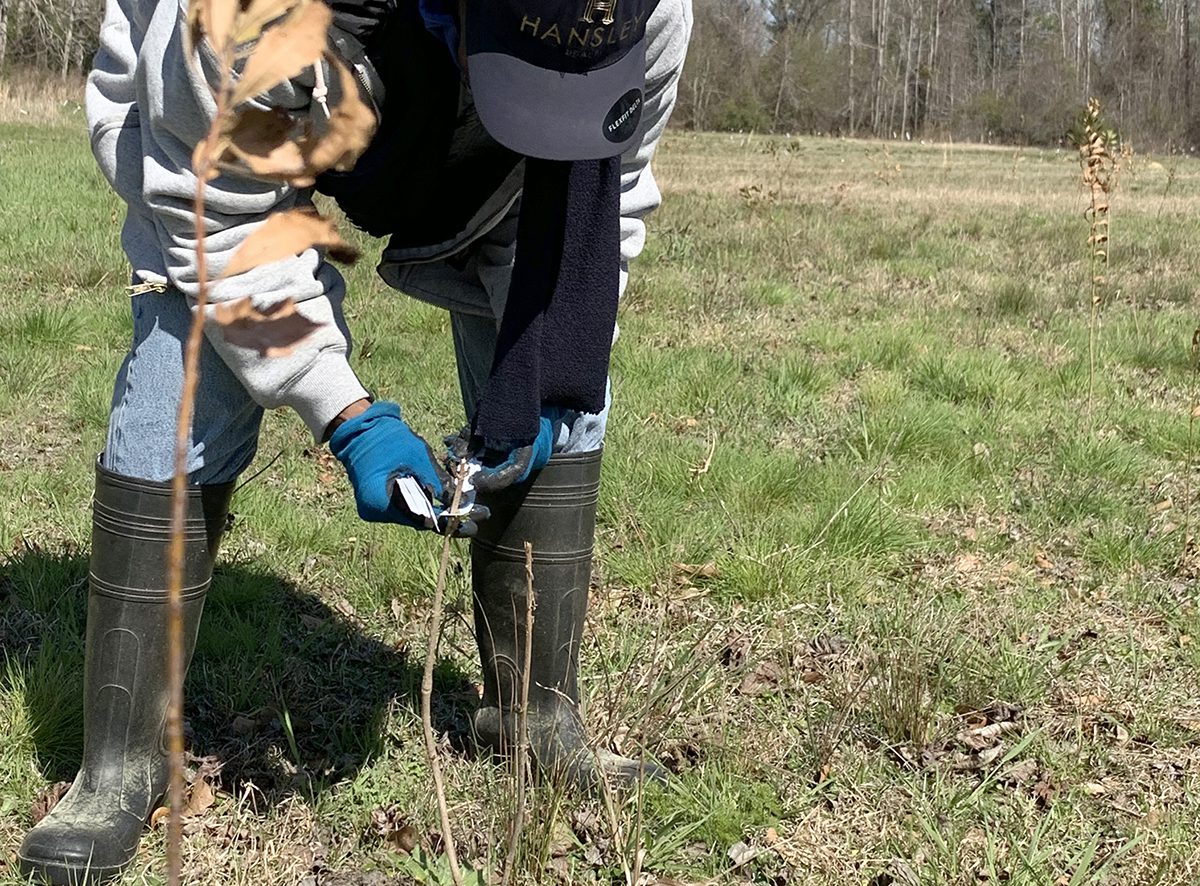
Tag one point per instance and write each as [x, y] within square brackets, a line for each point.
[145, 405]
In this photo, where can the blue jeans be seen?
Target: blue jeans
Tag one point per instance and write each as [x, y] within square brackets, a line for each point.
[224, 437]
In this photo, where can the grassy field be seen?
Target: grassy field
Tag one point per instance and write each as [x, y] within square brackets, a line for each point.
[893, 600]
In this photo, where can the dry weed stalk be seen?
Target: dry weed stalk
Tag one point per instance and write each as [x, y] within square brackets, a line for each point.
[1193, 414]
[521, 764]
[286, 37]
[1100, 160]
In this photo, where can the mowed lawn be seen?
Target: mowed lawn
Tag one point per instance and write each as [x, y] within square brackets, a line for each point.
[892, 598]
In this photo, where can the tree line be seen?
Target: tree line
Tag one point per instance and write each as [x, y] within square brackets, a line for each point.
[1013, 71]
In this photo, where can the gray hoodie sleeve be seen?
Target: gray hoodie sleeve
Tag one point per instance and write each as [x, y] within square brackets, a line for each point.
[668, 32]
[148, 105]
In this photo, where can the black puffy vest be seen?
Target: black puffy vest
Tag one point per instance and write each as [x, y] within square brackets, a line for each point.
[431, 165]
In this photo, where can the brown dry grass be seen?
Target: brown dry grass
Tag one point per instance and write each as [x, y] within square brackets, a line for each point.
[28, 96]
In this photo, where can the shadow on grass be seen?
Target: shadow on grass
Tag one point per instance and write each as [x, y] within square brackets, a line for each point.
[283, 691]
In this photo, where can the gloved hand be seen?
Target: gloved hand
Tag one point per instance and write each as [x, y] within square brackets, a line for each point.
[378, 446]
[501, 469]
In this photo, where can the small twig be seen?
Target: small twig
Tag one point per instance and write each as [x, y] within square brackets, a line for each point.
[614, 824]
[522, 758]
[278, 455]
[435, 630]
[820, 536]
[701, 469]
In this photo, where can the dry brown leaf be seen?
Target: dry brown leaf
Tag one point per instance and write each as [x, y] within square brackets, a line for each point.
[216, 20]
[697, 570]
[257, 15]
[268, 144]
[967, 563]
[47, 799]
[349, 128]
[159, 815]
[273, 332]
[764, 679]
[286, 234]
[1020, 772]
[284, 51]
[200, 798]
[990, 755]
[741, 853]
[194, 32]
[978, 739]
[1042, 561]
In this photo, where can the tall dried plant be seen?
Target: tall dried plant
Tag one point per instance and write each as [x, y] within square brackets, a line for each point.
[1193, 414]
[1100, 155]
[272, 41]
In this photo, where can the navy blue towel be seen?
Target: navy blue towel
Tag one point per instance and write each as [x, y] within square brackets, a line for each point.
[556, 333]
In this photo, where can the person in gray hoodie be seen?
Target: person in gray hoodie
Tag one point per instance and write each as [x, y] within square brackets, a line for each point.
[511, 174]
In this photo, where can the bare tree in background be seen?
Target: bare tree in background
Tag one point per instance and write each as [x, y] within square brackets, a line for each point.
[3, 32]
[58, 35]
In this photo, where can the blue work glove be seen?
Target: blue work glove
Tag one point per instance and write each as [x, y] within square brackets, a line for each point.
[503, 468]
[378, 446]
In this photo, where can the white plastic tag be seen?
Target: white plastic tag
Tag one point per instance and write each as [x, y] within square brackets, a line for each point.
[417, 503]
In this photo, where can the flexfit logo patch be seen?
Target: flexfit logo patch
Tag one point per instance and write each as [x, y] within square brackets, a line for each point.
[621, 122]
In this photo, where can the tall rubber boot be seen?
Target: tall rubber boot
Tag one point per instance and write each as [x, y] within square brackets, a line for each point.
[93, 832]
[556, 512]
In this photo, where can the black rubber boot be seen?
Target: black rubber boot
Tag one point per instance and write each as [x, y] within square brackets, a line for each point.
[93, 832]
[556, 513]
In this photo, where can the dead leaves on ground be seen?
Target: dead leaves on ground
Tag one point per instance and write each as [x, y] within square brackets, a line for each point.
[47, 799]
[200, 798]
[394, 829]
[690, 580]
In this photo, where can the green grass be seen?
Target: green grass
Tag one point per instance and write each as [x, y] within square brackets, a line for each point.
[859, 393]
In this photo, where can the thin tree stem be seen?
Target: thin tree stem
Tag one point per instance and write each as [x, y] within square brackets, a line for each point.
[179, 486]
[435, 632]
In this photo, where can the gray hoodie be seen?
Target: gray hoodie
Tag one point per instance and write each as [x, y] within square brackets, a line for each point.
[148, 105]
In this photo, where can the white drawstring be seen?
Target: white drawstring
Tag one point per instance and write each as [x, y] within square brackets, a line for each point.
[320, 88]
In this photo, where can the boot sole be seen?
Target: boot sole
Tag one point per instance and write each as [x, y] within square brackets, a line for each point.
[57, 873]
